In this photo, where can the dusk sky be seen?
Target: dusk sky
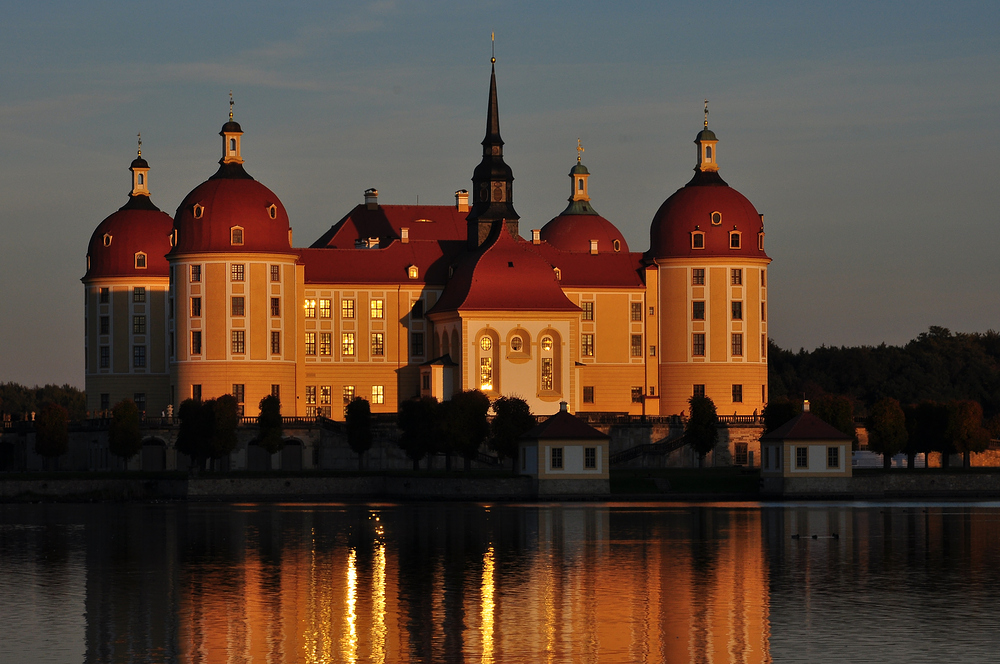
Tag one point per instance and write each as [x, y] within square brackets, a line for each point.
[867, 133]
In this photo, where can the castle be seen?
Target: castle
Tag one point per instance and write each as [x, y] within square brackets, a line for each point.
[399, 301]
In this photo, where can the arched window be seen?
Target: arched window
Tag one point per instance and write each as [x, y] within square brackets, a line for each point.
[412, 272]
[140, 261]
[549, 364]
[488, 361]
[734, 240]
[697, 240]
[232, 145]
[579, 184]
[708, 153]
[236, 235]
[140, 178]
[760, 241]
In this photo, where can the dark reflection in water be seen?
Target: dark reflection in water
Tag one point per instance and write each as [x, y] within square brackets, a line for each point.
[450, 582]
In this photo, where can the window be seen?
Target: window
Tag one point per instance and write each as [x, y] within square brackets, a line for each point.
[310, 307]
[617, 245]
[196, 342]
[486, 373]
[636, 345]
[547, 373]
[760, 242]
[272, 212]
[275, 271]
[833, 457]
[546, 343]
[105, 295]
[237, 305]
[325, 395]
[698, 310]
[171, 312]
[139, 294]
[716, 218]
[737, 394]
[324, 308]
[698, 344]
[557, 458]
[275, 306]
[139, 357]
[801, 457]
[275, 342]
[310, 395]
[195, 306]
[347, 344]
[742, 455]
[763, 278]
[708, 153]
[105, 401]
[486, 343]
[276, 391]
[140, 261]
[698, 276]
[348, 394]
[763, 346]
[588, 310]
[196, 392]
[698, 391]
[376, 306]
[697, 240]
[236, 272]
[412, 272]
[763, 312]
[239, 392]
[516, 344]
[737, 310]
[587, 346]
[347, 309]
[378, 394]
[107, 240]
[378, 344]
[325, 343]
[105, 357]
[417, 310]
[238, 343]
[105, 325]
[736, 277]
[636, 395]
[140, 401]
[310, 343]
[590, 458]
[734, 240]
[425, 381]
[635, 311]
[232, 145]
[195, 274]
[652, 351]
[652, 391]
[737, 343]
[236, 235]
[588, 394]
[417, 344]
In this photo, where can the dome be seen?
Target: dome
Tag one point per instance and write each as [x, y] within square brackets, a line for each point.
[706, 134]
[710, 206]
[573, 232]
[139, 226]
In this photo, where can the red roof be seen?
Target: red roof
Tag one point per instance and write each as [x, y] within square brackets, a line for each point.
[226, 202]
[378, 266]
[564, 426]
[426, 222]
[602, 270]
[138, 226]
[691, 208]
[573, 232]
[805, 426]
[504, 275]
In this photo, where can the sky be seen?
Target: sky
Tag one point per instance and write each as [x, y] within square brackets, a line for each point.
[867, 133]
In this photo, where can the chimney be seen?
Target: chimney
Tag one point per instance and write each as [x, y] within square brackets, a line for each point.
[805, 405]
[371, 198]
[404, 235]
[462, 200]
[593, 247]
[536, 236]
[563, 407]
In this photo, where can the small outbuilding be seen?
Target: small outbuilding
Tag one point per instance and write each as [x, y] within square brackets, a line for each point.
[803, 447]
[565, 455]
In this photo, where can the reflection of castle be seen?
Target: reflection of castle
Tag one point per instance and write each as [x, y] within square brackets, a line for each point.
[400, 300]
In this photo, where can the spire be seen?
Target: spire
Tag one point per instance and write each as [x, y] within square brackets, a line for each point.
[707, 153]
[139, 151]
[579, 150]
[231, 164]
[492, 114]
[138, 197]
[579, 193]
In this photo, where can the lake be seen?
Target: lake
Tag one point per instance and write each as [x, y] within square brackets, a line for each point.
[494, 583]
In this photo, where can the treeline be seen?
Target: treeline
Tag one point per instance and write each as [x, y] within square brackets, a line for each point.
[19, 400]
[937, 366]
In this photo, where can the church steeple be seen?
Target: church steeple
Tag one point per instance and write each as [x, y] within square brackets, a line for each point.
[707, 143]
[492, 181]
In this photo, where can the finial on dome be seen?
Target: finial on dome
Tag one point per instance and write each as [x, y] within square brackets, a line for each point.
[706, 114]
[579, 150]
[139, 151]
[493, 47]
[231, 106]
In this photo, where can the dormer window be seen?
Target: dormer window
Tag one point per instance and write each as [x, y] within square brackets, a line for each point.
[716, 218]
[734, 240]
[236, 235]
[173, 238]
[412, 272]
[107, 240]
[697, 240]
[617, 245]
[760, 241]
[272, 211]
[198, 210]
[558, 273]
[140, 260]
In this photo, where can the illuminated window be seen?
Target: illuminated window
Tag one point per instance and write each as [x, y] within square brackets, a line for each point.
[546, 343]
[195, 306]
[590, 458]
[587, 345]
[557, 458]
[347, 344]
[238, 342]
[378, 394]
[412, 272]
[547, 373]
[324, 308]
[310, 343]
[588, 394]
[558, 273]
[635, 311]
[238, 307]
[140, 261]
[325, 343]
[588, 310]
[347, 308]
[697, 240]
[486, 373]
[348, 394]
[138, 325]
[737, 310]
[378, 344]
[698, 345]
[310, 307]
[275, 342]
[139, 294]
[737, 394]
[486, 343]
[195, 274]
[236, 272]
[636, 349]
[736, 277]
[376, 307]
[139, 357]
[698, 276]
[275, 273]
[637, 395]
[698, 310]
[325, 395]
[236, 235]
[310, 395]
[196, 342]
[737, 343]
[275, 306]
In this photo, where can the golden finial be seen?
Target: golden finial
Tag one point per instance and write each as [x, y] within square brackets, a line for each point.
[140, 143]
[706, 114]
[231, 106]
[493, 47]
[579, 150]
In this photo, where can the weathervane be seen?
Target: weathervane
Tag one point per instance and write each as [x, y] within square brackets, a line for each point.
[140, 143]
[706, 114]
[579, 150]
[231, 106]
[493, 47]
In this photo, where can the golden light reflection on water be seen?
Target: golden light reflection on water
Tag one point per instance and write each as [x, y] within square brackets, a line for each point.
[379, 630]
[486, 619]
[349, 645]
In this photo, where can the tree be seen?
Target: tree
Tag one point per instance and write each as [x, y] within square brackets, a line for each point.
[701, 430]
[778, 411]
[512, 419]
[124, 436]
[52, 432]
[226, 419]
[359, 427]
[838, 411]
[886, 425]
[418, 421]
[269, 424]
[466, 423]
[925, 426]
[195, 430]
[965, 430]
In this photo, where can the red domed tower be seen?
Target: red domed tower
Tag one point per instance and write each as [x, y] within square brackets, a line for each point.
[234, 288]
[710, 279]
[126, 298]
